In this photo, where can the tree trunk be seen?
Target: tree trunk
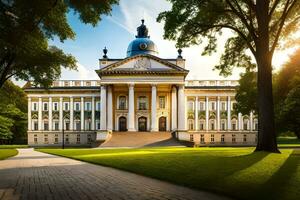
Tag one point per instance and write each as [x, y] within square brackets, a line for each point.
[266, 131]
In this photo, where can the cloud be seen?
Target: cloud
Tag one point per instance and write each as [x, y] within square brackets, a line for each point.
[83, 73]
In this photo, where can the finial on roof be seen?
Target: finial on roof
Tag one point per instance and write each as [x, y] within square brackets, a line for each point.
[142, 30]
[105, 52]
[179, 53]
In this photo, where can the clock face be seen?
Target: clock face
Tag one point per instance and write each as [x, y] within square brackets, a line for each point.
[142, 64]
[143, 46]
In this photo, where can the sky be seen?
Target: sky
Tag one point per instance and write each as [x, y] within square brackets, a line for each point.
[116, 31]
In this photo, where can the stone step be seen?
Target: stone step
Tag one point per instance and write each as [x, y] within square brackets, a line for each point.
[140, 139]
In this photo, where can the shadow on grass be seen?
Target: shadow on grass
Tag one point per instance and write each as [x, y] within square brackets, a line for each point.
[285, 180]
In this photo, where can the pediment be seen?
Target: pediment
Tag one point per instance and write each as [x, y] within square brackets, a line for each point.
[142, 64]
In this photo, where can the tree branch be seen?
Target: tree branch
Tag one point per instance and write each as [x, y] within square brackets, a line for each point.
[240, 14]
[234, 29]
[282, 19]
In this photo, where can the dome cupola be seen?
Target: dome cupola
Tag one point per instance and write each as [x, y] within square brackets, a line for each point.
[142, 44]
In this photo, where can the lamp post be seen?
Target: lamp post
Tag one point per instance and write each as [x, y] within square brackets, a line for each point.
[63, 134]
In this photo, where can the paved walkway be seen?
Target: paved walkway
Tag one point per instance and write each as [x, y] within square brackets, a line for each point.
[35, 175]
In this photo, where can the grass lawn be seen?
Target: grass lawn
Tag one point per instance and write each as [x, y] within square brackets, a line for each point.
[13, 146]
[288, 142]
[5, 153]
[236, 172]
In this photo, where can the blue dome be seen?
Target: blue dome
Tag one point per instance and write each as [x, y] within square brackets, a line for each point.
[141, 46]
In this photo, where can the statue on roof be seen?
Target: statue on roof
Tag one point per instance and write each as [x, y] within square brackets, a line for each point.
[142, 31]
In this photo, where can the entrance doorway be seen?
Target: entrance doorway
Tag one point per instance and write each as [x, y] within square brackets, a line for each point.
[142, 121]
[162, 124]
[122, 124]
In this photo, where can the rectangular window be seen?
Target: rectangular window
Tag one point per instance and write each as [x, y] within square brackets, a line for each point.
[46, 126]
[233, 126]
[245, 138]
[256, 126]
[201, 126]
[190, 106]
[98, 125]
[223, 106]
[78, 126]
[34, 106]
[202, 106]
[162, 102]
[56, 139]
[66, 106]
[35, 126]
[142, 103]
[223, 126]
[77, 106]
[55, 106]
[35, 139]
[202, 138]
[46, 138]
[98, 106]
[222, 138]
[67, 139]
[45, 106]
[89, 138]
[67, 126]
[213, 106]
[191, 137]
[212, 138]
[233, 138]
[56, 126]
[245, 126]
[88, 106]
[78, 139]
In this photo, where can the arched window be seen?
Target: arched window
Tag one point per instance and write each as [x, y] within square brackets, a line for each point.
[122, 102]
[245, 124]
[234, 124]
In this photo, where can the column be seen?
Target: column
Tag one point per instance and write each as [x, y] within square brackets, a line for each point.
[131, 108]
[251, 121]
[174, 108]
[29, 114]
[228, 114]
[93, 114]
[109, 108]
[50, 114]
[103, 108]
[60, 113]
[181, 109]
[196, 114]
[218, 114]
[153, 109]
[206, 113]
[40, 114]
[82, 113]
[240, 121]
[71, 113]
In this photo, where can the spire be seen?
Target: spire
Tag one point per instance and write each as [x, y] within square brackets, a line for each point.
[105, 52]
[142, 31]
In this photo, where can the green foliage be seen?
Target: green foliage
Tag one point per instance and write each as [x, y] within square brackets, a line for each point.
[195, 22]
[13, 109]
[246, 93]
[26, 27]
[242, 174]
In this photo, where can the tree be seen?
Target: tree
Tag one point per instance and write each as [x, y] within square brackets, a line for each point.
[246, 93]
[26, 27]
[257, 26]
[285, 83]
[13, 109]
[290, 113]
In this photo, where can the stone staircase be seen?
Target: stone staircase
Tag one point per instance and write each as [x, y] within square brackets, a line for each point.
[140, 139]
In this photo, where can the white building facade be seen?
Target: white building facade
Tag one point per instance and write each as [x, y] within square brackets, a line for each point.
[139, 93]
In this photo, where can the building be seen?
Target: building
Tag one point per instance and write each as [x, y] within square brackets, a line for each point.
[141, 92]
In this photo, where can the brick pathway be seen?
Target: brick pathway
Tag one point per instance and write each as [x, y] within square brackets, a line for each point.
[35, 175]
